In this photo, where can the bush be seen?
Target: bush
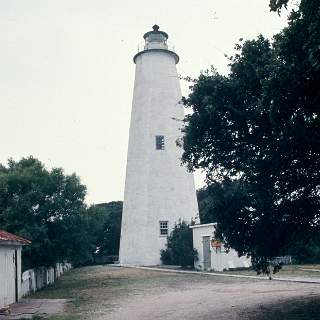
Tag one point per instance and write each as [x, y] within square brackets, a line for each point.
[179, 249]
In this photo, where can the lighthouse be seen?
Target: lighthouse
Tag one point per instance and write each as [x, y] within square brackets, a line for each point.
[159, 191]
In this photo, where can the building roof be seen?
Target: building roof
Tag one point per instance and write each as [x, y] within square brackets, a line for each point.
[7, 237]
[203, 225]
[155, 31]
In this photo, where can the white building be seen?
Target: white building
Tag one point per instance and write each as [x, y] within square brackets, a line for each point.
[158, 190]
[10, 267]
[212, 254]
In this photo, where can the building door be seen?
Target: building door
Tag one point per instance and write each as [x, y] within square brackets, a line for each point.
[206, 253]
[16, 274]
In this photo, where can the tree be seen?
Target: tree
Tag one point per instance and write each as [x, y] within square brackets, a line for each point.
[108, 238]
[179, 249]
[207, 203]
[256, 134]
[46, 207]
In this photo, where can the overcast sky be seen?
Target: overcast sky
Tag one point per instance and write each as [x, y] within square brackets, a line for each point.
[66, 74]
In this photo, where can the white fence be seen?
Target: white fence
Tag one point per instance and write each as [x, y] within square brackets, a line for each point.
[35, 279]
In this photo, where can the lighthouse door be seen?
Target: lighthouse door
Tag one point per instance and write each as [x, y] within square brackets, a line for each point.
[206, 253]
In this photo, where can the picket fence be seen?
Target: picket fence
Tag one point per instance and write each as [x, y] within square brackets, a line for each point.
[35, 279]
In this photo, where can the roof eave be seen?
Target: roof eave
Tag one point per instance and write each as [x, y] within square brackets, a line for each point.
[12, 243]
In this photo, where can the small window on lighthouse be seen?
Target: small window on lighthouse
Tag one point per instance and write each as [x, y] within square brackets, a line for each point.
[159, 142]
[164, 228]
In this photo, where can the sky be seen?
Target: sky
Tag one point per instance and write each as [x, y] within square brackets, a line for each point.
[66, 78]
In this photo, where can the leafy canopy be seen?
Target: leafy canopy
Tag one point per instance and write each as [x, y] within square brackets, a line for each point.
[46, 207]
[256, 134]
[108, 236]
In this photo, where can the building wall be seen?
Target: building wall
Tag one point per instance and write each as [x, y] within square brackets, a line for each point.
[157, 186]
[220, 259]
[7, 274]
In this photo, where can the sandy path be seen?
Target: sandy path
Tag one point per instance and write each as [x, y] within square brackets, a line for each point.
[209, 300]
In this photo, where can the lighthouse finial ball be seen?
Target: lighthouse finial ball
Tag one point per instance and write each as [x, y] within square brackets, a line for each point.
[155, 27]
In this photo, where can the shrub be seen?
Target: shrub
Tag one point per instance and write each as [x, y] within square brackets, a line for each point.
[179, 249]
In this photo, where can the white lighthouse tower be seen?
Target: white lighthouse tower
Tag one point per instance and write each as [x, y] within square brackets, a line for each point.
[158, 190]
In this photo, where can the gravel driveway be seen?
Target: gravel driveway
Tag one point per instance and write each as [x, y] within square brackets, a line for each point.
[212, 298]
[114, 293]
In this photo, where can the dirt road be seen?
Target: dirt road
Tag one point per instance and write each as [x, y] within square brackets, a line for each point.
[208, 299]
[109, 293]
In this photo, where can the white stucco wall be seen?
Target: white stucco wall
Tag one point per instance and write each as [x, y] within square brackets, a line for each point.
[157, 186]
[220, 260]
[7, 274]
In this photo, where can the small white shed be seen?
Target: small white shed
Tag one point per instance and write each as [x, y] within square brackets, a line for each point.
[10, 267]
[212, 254]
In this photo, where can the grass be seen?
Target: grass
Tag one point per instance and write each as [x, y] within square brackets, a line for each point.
[286, 271]
[85, 289]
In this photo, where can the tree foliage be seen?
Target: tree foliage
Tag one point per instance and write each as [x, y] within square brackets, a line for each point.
[256, 134]
[207, 205]
[46, 207]
[108, 237]
[179, 249]
[276, 5]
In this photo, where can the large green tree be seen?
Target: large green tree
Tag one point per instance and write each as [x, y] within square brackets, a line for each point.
[256, 134]
[207, 203]
[46, 207]
[108, 237]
